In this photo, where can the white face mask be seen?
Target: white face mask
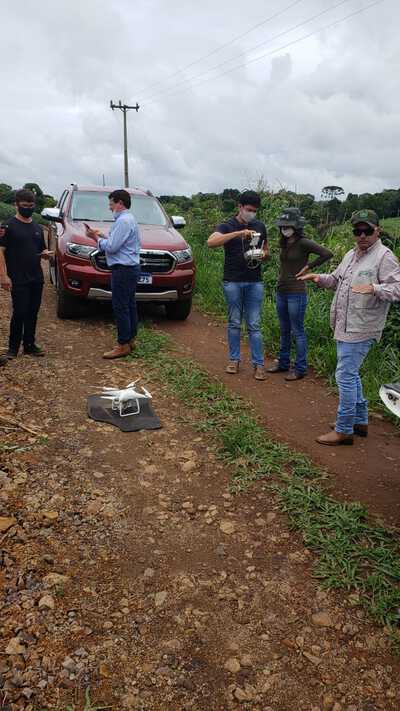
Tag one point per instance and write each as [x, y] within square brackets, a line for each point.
[287, 231]
[247, 216]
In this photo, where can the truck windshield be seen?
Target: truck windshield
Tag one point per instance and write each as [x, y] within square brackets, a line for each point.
[93, 207]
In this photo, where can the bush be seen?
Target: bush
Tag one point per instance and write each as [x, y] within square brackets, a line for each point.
[7, 211]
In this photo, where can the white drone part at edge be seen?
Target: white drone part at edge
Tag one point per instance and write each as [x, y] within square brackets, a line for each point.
[127, 400]
[390, 396]
[254, 240]
[254, 255]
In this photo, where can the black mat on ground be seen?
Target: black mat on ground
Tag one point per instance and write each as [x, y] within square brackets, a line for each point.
[100, 410]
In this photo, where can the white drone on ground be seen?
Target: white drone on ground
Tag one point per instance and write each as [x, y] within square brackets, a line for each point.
[126, 401]
[390, 396]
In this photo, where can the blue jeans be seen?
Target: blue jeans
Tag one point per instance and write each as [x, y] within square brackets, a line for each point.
[291, 310]
[353, 408]
[123, 286]
[245, 298]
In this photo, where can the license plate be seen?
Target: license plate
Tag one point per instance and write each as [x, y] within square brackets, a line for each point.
[145, 279]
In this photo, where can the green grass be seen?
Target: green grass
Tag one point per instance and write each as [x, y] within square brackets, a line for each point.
[352, 553]
[14, 448]
[392, 226]
[41, 440]
[23, 448]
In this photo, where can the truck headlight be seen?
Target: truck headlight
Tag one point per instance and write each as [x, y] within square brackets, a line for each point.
[83, 251]
[183, 255]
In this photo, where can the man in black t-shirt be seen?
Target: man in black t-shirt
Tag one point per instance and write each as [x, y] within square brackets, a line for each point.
[22, 246]
[242, 281]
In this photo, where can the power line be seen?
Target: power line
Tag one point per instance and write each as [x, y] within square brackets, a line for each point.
[221, 47]
[278, 49]
[261, 44]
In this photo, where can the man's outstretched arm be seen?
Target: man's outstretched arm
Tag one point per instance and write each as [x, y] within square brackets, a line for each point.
[218, 239]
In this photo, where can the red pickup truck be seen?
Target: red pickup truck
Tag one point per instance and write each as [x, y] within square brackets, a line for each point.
[79, 270]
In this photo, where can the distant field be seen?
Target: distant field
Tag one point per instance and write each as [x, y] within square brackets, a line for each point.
[392, 225]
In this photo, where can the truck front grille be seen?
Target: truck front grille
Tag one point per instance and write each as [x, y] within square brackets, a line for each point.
[151, 262]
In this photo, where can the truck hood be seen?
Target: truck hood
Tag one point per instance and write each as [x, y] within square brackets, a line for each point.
[152, 236]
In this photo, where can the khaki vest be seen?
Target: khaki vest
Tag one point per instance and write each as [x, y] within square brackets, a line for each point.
[365, 312]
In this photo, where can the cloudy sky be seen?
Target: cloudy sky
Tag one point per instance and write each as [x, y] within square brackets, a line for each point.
[324, 110]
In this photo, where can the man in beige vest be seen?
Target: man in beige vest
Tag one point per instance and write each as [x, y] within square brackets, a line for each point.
[365, 283]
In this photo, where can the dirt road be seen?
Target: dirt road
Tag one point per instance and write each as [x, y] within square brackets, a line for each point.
[297, 413]
[131, 570]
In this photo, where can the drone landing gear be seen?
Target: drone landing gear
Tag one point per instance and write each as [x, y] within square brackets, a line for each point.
[126, 409]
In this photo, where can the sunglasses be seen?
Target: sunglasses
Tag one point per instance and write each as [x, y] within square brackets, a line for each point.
[367, 231]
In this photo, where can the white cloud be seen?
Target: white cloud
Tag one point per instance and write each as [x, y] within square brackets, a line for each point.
[325, 110]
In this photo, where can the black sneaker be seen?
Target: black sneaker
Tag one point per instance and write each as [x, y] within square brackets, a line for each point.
[9, 354]
[34, 351]
[276, 368]
[294, 376]
[3, 360]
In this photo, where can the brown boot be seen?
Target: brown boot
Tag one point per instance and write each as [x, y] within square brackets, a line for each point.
[334, 439]
[118, 352]
[259, 372]
[359, 430]
[233, 367]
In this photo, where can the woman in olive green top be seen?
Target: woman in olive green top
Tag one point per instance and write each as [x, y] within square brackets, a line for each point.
[291, 297]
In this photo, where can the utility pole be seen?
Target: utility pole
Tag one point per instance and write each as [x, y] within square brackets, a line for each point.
[124, 108]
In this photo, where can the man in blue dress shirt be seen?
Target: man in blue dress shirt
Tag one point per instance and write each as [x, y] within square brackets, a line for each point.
[122, 249]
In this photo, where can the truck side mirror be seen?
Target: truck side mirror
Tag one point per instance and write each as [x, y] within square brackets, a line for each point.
[178, 222]
[52, 214]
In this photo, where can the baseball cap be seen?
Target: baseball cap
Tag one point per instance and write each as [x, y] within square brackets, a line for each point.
[368, 216]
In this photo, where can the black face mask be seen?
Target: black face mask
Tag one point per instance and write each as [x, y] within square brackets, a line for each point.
[26, 211]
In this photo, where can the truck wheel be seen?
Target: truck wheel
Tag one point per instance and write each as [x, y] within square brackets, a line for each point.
[178, 310]
[67, 305]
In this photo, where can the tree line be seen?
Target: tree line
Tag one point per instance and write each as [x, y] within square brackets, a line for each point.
[7, 199]
[321, 213]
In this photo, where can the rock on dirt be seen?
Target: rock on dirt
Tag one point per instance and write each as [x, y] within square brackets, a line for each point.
[160, 598]
[322, 619]
[7, 522]
[232, 665]
[227, 527]
[52, 580]
[15, 647]
[47, 602]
